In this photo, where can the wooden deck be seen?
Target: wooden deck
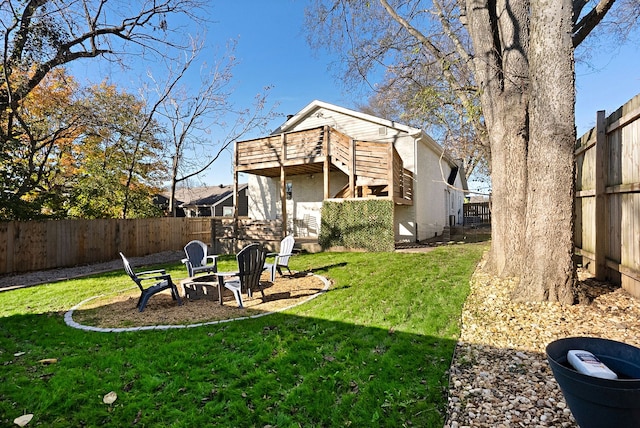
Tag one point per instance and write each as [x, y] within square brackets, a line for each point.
[374, 169]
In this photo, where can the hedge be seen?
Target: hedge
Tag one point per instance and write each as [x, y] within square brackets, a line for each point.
[359, 224]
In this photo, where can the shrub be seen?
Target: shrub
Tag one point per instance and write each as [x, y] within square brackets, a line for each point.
[361, 224]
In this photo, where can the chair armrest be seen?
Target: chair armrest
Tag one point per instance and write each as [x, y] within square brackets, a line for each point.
[152, 272]
[212, 258]
[165, 276]
[227, 273]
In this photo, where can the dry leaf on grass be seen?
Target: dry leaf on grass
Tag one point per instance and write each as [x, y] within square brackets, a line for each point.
[48, 361]
[110, 398]
[23, 420]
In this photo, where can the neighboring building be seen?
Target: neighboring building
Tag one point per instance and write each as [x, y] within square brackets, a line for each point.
[330, 152]
[208, 201]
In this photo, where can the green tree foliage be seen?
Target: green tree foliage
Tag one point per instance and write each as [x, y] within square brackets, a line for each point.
[37, 134]
[42, 129]
[118, 160]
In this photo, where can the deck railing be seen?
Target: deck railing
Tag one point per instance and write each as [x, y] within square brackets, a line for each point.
[370, 162]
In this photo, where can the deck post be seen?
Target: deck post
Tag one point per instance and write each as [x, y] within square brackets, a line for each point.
[600, 189]
[352, 169]
[391, 165]
[326, 167]
[283, 186]
[235, 199]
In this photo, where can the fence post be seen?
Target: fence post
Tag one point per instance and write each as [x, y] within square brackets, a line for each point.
[600, 202]
[214, 244]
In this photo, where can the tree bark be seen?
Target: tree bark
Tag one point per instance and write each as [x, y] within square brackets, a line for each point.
[499, 37]
[524, 68]
[549, 273]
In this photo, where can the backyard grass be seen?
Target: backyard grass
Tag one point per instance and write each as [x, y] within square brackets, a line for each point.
[372, 351]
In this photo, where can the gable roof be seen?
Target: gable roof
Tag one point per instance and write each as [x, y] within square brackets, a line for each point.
[317, 104]
[204, 196]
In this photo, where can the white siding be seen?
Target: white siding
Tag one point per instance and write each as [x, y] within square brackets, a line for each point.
[349, 125]
[429, 196]
[264, 197]
[306, 202]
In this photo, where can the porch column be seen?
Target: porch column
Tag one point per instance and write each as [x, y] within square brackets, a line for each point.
[352, 169]
[326, 168]
[391, 166]
[283, 186]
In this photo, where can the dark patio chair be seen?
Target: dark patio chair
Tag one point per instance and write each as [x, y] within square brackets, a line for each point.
[250, 266]
[197, 260]
[162, 281]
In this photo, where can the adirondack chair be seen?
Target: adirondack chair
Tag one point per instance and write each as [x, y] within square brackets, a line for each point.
[250, 267]
[197, 260]
[162, 281]
[281, 258]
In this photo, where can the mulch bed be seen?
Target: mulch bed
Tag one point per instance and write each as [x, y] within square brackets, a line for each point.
[119, 310]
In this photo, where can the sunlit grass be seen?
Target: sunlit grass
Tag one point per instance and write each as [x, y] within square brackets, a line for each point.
[372, 351]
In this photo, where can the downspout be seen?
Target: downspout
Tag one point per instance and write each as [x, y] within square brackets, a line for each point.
[416, 139]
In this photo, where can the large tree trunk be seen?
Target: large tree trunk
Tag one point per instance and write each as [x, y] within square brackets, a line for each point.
[528, 104]
[501, 71]
[509, 180]
[549, 272]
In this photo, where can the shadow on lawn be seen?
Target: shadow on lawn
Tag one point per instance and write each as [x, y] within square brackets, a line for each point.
[282, 370]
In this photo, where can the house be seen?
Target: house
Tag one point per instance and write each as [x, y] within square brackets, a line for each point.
[327, 152]
[206, 201]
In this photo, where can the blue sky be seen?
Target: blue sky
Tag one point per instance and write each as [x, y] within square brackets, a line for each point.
[272, 51]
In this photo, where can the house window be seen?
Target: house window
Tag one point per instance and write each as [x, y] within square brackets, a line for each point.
[289, 190]
[227, 211]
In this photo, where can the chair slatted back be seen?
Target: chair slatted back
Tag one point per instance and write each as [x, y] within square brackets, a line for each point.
[250, 266]
[130, 272]
[286, 247]
[196, 253]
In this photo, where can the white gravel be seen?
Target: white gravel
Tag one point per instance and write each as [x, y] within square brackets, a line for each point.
[500, 376]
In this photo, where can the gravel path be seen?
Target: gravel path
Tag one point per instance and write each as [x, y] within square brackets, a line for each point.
[13, 281]
[500, 376]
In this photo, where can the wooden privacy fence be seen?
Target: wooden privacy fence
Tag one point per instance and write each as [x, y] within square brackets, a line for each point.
[39, 245]
[476, 213]
[607, 213]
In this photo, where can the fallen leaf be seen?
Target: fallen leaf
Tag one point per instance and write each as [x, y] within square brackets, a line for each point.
[48, 361]
[110, 398]
[23, 420]
[19, 354]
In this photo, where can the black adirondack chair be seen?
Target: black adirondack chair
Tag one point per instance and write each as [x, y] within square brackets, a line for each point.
[198, 261]
[160, 278]
[250, 266]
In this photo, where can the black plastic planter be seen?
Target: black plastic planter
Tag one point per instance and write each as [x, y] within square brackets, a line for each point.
[597, 402]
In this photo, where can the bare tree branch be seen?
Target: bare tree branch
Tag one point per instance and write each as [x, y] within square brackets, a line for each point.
[582, 29]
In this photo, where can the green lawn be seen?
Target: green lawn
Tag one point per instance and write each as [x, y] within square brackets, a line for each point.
[372, 351]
